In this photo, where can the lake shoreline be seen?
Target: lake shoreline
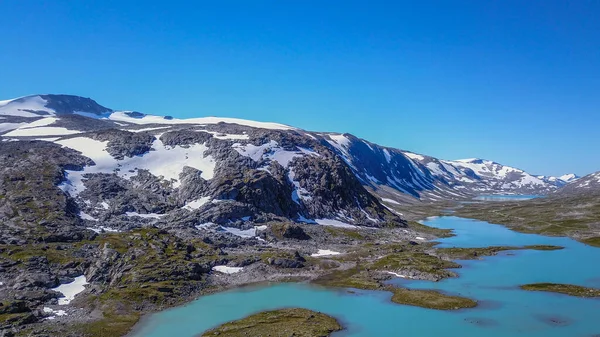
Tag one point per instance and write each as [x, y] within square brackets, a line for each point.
[490, 251]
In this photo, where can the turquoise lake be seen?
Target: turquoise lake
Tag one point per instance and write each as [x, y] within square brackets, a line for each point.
[515, 197]
[503, 311]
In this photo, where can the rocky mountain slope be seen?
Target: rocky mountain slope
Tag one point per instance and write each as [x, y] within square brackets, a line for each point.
[293, 168]
[589, 184]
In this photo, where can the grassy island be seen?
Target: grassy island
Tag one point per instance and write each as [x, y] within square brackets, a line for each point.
[567, 289]
[283, 322]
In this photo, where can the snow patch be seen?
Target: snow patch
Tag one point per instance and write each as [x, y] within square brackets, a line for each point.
[244, 233]
[334, 223]
[54, 313]
[397, 275]
[414, 156]
[325, 252]
[145, 216]
[271, 151]
[391, 201]
[85, 216]
[227, 270]
[166, 162]
[70, 290]
[103, 229]
[41, 131]
[195, 204]
[149, 119]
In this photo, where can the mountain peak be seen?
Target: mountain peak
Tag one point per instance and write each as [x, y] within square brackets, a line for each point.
[51, 104]
[569, 177]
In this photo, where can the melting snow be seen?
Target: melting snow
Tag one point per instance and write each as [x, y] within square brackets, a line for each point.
[333, 223]
[271, 151]
[148, 129]
[387, 155]
[192, 205]
[146, 216]
[86, 216]
[414, 156]
[102, 229]
[54, 312]
[397, 275]
[325, 252]
[164, 161]
[244, 233]
[227, 270]
[219, 135]
[205, 225]
[41, 122]
[69, 290]
[391, 201]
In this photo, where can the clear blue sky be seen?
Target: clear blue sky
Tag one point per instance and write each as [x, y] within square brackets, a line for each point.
[513, 81]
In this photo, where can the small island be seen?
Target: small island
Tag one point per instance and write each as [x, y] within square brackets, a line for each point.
[567, 289]
[431, 299]
[284, 322]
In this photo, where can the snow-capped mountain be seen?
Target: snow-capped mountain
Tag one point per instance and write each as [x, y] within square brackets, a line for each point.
[569, 177]
[426, 177]
[586, 184]
[123, 167]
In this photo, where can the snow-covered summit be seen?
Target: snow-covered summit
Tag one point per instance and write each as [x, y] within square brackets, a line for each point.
[568, 177]
[50, 105]
[36, 106]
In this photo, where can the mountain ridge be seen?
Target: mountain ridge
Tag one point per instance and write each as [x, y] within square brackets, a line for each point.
[385, 169]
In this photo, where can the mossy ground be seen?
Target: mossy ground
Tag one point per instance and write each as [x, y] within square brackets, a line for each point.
[475, 253]
[567, 289]
[371, 261]
[110, 326]
[431, 299]
[283, 322]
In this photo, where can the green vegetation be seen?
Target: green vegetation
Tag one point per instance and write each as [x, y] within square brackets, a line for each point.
[431, 299]
[55, 253]
[365, 280]
[109, 326]
[439, 232]
[161, 271]
[475, 253]
[567, 289]
[575, 216]
[593, 241]
[419, 261]
[284, 322]
[349, 233]
[369, 268]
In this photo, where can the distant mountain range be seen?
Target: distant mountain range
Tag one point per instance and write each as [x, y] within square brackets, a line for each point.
[127, 167]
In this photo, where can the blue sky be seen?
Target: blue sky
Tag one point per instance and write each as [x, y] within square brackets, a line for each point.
[513, 81]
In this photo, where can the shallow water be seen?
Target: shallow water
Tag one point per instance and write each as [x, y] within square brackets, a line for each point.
[505, 197]
[504, 309]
